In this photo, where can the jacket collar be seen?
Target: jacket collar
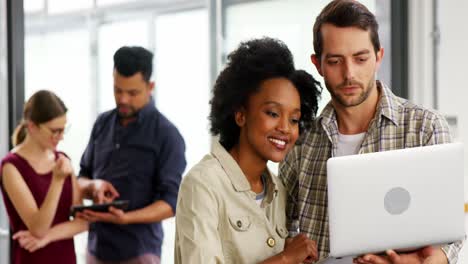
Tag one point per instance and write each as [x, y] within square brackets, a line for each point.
[235, 174]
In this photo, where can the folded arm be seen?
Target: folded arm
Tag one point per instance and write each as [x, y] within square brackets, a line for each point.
[37, 219]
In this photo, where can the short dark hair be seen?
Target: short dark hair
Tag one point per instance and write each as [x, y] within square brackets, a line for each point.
[252, 63]
[131, 60]
[345, 13]
[42, 107]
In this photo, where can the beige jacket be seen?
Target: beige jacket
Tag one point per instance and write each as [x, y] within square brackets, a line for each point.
[218, 220]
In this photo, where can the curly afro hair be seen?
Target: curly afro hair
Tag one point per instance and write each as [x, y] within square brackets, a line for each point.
[252, 63]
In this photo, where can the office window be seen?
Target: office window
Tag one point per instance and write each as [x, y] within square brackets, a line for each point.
[111, 37]
[60, 62]
[451, 93]
[113, 2]
[31, 6]
[60, 6]
[182, 88]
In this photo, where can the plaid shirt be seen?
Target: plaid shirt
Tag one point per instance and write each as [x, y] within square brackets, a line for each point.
[397, 124]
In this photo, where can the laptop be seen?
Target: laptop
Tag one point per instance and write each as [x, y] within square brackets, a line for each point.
[400, 199]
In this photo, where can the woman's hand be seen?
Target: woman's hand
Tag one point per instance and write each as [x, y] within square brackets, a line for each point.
[62, 168]
[30, 242]
[300, 249]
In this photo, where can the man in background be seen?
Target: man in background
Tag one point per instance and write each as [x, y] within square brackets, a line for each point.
[134, 154]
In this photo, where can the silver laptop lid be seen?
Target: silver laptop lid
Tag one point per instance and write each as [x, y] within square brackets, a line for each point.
[395, 199]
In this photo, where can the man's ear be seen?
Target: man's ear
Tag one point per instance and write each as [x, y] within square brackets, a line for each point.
[378, 58]
[239, 116]
[151, 87]
[316, 61]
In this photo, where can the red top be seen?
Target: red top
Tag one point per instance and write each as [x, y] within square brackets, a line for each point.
[62, 251]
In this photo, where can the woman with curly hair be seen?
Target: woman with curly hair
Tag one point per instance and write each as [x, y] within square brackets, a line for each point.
[231, 209]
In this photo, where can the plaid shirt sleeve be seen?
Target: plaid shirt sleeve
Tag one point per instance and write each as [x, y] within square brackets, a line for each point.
[452, 250]
[437, 131]
[290, 178]
[440, 134]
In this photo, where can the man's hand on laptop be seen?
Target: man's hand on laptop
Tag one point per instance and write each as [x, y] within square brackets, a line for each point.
[426, 255]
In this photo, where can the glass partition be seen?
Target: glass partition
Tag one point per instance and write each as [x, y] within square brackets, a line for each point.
[4, 137]
[112, 36]
[60, 6]
[60, 62]
[32, 6]
[182, 88]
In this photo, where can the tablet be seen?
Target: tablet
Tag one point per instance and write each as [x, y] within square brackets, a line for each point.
[103, 207]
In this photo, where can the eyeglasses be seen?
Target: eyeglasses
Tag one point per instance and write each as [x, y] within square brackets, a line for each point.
[56, 132]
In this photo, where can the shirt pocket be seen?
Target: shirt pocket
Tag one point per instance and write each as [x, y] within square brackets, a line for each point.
[282, 231]
[240, 223]
[102, 157]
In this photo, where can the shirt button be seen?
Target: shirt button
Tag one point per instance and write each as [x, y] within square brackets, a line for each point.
[239, 224]
[117, 146]
[271, 242]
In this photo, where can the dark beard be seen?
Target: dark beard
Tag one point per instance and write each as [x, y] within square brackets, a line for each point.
[122, 116]
[362, 97]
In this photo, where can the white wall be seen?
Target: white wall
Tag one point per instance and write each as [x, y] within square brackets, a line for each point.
[452, 89]
[452, 73]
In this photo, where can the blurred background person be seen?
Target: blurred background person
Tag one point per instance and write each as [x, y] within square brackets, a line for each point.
[135, 153]
[39, 186]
